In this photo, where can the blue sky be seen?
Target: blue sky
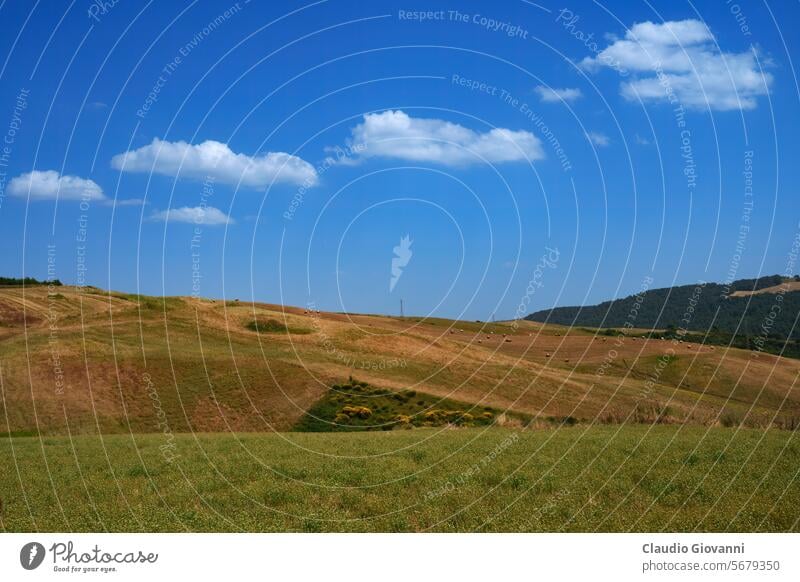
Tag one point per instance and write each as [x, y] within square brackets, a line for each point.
[281, 151]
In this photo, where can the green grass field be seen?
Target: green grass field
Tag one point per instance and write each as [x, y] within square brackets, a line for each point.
[608, 478]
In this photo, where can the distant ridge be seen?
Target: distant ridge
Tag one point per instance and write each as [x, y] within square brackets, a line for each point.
[749, 313]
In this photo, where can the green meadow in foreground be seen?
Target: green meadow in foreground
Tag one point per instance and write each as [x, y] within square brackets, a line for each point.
[639, 478]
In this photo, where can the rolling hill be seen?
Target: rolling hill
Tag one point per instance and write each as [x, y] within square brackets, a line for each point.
[86, 360]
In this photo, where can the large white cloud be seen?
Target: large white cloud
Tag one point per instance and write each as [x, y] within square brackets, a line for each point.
[50, 185]
[681, 57]
[395, 134]
[215, 160]
[205, 215]
[556, 95]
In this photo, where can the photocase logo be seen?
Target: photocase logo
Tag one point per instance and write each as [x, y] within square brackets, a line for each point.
[402, 256]
[31, 555]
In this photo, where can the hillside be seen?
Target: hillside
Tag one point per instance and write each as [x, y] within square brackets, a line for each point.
[88, 361]
[750, 313]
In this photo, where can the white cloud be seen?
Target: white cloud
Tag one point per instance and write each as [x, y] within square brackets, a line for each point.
[50, 185]
[598, 139]
[127, 202]
[554, 95]
[208, 216]
[641, 140]
[395, 134]
[681, 57]
[215, 160]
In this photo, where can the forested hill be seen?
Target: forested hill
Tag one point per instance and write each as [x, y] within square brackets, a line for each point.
[749, 308]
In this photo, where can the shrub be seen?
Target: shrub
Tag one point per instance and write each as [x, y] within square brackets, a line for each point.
[453, 416]
[275, 326]
[27, 281]
[730, 419]
[359, 411]
[268, 326]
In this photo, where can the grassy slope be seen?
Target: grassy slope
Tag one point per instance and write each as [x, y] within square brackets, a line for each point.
[602, 478]
[210, 373]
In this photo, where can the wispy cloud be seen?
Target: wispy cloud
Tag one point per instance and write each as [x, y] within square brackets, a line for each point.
[598, 139]
[215, 160]
[126, 202]
[395, 134]
[207, 216]
[682, 58]
[555, 95]
[50, 185]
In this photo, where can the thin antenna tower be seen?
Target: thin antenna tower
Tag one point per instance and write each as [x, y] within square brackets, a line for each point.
[401, 309]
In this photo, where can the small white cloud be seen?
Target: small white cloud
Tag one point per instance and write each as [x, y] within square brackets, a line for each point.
[216, 161]
[50, 185]
[207, 216]
[126, 202]
[641, 140]
[395, 134]
[598, 139]
[681, 58]
[554, 95]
